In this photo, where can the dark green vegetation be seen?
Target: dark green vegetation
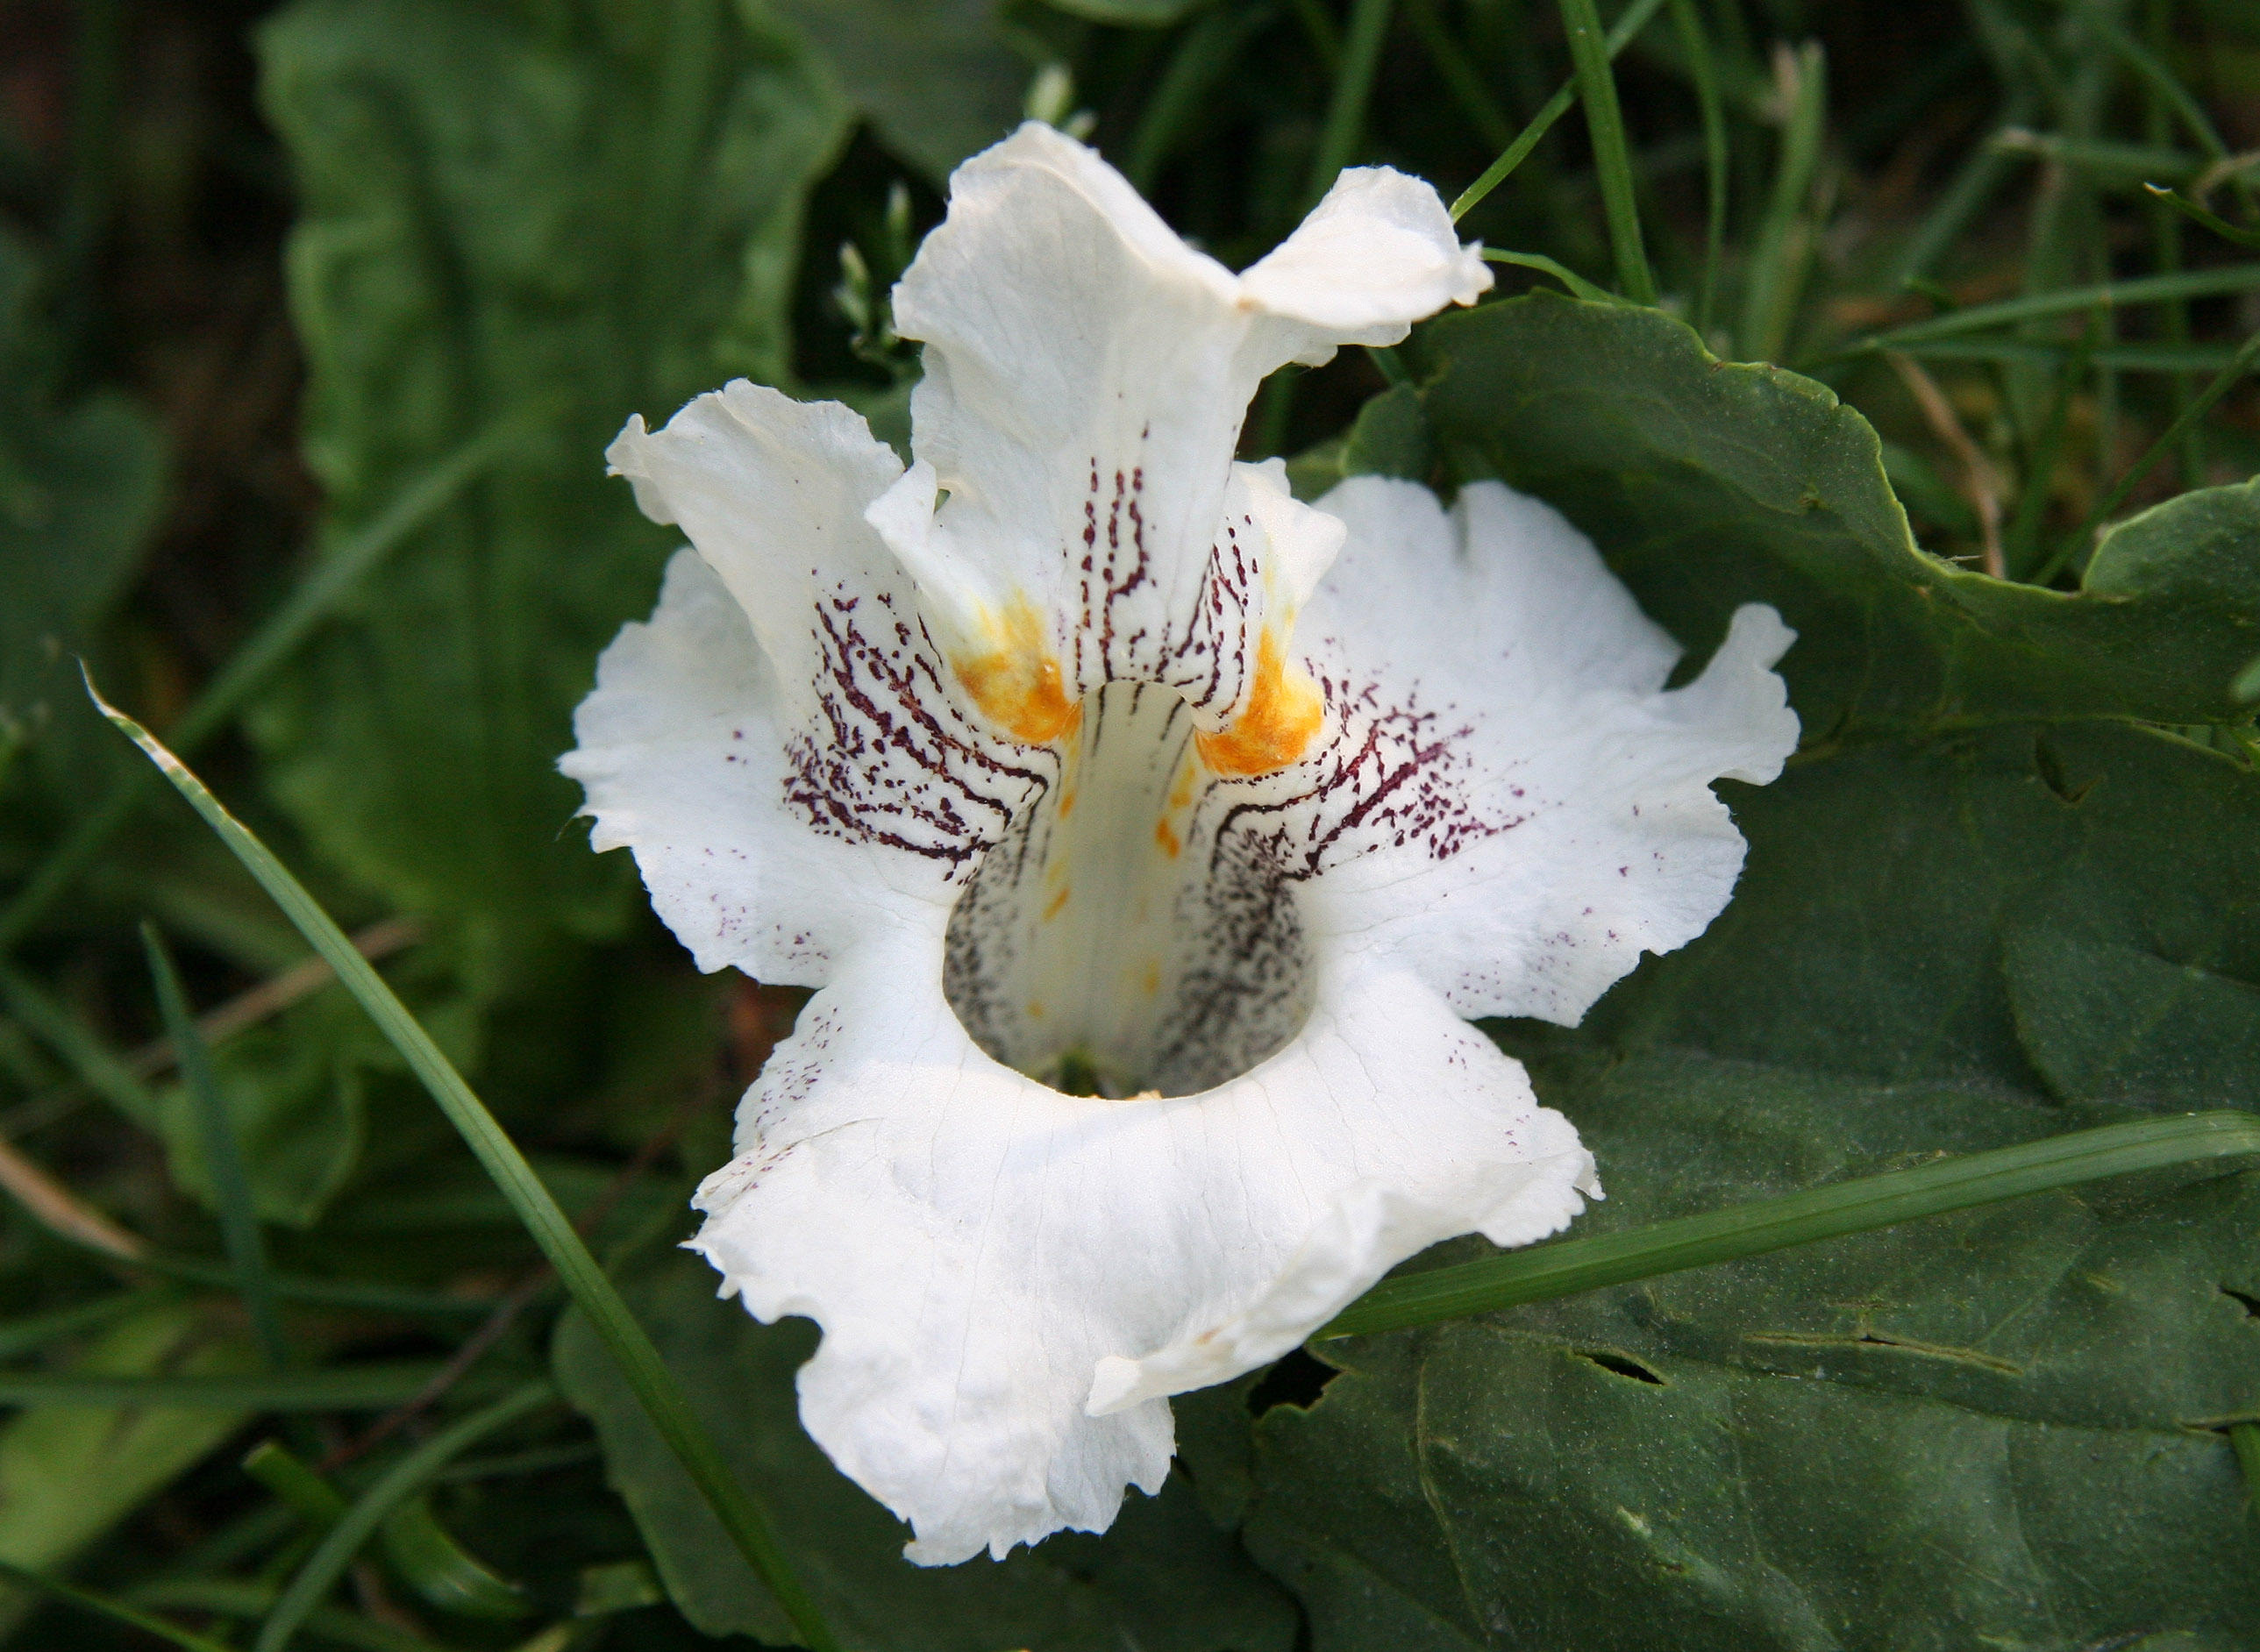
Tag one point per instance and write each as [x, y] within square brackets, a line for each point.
[313, 322]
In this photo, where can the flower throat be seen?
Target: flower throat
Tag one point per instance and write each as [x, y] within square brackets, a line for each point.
[1114, 943]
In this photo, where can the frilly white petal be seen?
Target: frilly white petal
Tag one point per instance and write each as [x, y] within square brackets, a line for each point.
[1377, 252]
[1582, 829]
[994, 1262]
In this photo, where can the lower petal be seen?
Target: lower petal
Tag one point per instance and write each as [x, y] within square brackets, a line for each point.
[993, 1261]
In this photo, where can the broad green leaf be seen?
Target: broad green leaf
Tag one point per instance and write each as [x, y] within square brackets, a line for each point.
[2106, 1020]
[1980, 907]
[2000, 1427]
[80, 485]
[1708, 484]
[569, 212]
[1887, 881]
[1164, 1579]
[1994, 1428]
[70, 1472]
[935, 77]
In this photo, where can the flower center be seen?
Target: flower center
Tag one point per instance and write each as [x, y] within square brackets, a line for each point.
[1114, 943]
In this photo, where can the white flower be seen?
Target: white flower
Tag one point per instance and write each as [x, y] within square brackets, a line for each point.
[1061, 761]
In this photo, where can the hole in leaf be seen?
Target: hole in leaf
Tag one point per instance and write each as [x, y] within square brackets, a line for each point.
[2252, 1302]
[1621, 1364]
[2050, 768]
[1297, 1379]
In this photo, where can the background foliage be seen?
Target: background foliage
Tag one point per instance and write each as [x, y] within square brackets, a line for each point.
[314, 319]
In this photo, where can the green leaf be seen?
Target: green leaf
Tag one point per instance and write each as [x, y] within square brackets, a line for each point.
[2000, 1425]
[1709, 484]
[581, 210]
[80, 488]
[1164, 1578]
[935, 77]
[1980, 909]
[2109, 1021]
[70, 1472]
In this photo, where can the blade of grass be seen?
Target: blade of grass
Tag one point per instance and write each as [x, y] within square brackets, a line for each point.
[116, 1611]
[2023, 536]
[1459, 75]
[231, 1180]
[653, 1385]
[1204, 55]
[1345, 123]
[423, 1553]
[226, 1598]
[2122, 358]
[1597, 89]
[336, 1388]
[2196, 283]
[1972, 185]
[1762, 1226]
[1325, 39]
[278, 637]
[2196, 214]
[2124, 164]
[1784, 243]
[1696, 43]
[360, 1523]
[2163, 83]
[84, 1053]
[33, 1332]
[2166, 250]
[1568, 278]
[2240, 364]
[1636, 18]
[116, 1245]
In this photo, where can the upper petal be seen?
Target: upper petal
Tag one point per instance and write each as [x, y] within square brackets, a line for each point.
[1086, 375]
[1378, 250]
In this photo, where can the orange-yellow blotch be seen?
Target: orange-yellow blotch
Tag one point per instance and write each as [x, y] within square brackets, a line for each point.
[1017, 684]
[1052, 906]
[1282, 718]
[1167, 839]
[1153, 979]
[1067, 802]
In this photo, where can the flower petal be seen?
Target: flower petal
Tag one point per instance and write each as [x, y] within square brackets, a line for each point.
[994, 1263]
[1532, 810]
[1086, 374]
[776, 745]
[1379, 249]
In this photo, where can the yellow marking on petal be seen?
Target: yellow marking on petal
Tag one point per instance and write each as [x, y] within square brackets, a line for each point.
[1182, 793]
[1283, 715]
[1152, 981]
[1017, 683]
[1036, 1011]
[1067, 802]
[1052, 906]
[1167, 839]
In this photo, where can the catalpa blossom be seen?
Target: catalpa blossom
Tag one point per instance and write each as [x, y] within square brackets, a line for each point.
[1148, 834]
